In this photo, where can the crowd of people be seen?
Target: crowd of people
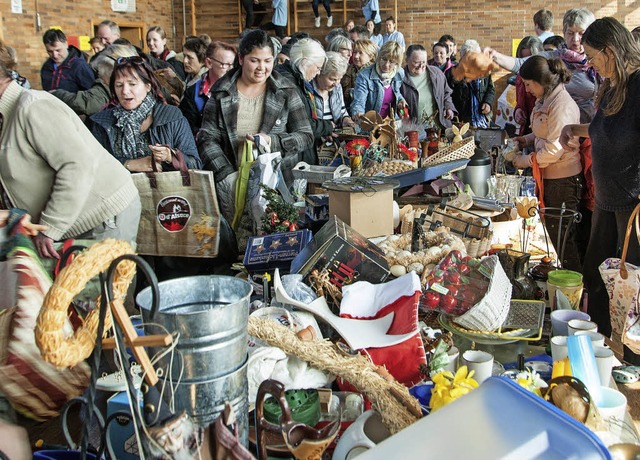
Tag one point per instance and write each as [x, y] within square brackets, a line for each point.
[124, 110]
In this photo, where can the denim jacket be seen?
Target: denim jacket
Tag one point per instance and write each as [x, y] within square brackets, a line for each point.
[369, 92]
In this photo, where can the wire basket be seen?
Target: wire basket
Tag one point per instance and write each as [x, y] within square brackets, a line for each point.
[491, 311]
[458, 151]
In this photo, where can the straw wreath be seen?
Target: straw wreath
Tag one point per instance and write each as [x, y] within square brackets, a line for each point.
[64, 348]
[390, 398]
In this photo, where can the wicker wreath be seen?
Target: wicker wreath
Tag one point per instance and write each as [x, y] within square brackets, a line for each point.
[57, 346]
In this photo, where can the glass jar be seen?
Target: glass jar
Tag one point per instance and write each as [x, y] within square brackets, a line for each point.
[569, 283]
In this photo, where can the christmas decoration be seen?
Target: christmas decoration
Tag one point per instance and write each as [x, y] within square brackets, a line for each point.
[279, 216]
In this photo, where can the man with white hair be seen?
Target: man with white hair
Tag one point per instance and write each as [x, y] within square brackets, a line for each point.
[108, 32]
[473, 99]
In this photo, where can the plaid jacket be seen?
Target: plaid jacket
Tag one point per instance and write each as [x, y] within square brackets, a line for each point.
[285, 120]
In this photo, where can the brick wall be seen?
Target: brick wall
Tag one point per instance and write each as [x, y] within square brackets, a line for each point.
[493, 23]
[75, 18]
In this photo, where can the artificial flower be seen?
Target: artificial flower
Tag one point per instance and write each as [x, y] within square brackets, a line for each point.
[448, 387]
[357, 147]
[531, 380]
[411, 155]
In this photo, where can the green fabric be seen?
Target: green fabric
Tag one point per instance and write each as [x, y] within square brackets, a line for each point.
[246, 160]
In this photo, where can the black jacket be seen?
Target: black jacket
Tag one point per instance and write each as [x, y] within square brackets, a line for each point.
[462, 94]
[73, 75]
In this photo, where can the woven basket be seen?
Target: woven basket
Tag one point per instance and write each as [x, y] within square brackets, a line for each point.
[492, 310]
[458, 151]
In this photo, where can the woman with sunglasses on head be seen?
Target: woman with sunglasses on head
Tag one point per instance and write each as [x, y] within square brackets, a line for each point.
[141, 129]
[248, 101]
[378, 86]
[306, 59]
[615, 135]
[221, 58]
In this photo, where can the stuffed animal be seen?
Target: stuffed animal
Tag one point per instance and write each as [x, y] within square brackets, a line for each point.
[474, 65]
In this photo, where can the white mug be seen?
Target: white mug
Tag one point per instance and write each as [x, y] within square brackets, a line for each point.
[479, 361]
[559, 350]
[576, 325]
[597, 339]
[453, 355]
[604, 362]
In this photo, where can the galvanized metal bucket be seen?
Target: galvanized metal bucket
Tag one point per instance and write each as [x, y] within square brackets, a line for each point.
[211, 314]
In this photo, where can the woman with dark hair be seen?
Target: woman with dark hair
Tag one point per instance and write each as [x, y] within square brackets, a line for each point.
[553, 43]
[251, 100]
[615, 135]
[525, 101]
[557, 168]
[141, 129]
[374, 32]
[440, 58]
[195, 52]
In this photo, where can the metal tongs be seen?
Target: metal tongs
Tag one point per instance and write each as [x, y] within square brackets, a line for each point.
[358, 333]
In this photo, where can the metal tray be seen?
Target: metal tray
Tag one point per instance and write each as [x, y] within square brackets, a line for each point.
[420, 175]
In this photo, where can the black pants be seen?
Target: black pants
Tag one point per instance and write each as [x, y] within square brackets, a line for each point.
[567, 190]
[327, 6]
[281, 31]
[251, 19]
[607, 236]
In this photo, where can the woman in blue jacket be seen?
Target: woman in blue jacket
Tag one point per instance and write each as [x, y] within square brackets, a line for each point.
[141, 128]
[378, 86]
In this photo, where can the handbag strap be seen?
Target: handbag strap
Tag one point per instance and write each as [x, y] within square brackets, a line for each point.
[634, 217]
[179, 164]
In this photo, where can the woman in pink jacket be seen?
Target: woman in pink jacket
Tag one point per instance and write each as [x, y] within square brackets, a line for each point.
[559, 170]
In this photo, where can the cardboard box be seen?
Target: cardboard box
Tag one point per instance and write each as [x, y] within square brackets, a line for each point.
[273, 251]
[365, 204]
[121, 430]
[347, 255]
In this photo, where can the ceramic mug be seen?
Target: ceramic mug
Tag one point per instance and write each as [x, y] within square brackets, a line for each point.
[453, 355]
[604, 363]
[561, 318]
[479, 361]
[581, 325]
[597, 339]
[363, 434]
[559, 350]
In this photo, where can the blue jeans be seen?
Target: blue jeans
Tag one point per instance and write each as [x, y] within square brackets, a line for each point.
[567, 190]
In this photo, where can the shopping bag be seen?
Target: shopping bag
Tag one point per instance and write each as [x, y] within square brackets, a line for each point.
[180, 214]
[622, 281]
[246, 160]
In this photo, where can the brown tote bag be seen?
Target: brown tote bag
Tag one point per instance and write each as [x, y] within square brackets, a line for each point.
[180, 215]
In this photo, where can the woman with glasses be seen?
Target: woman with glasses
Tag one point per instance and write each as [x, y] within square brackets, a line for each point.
[141, 129]
[221, 57]
[306, 59]
[615, 135]
[378, 86]
[365, 52]
[251, 100]
[342, 45]
[557, 168]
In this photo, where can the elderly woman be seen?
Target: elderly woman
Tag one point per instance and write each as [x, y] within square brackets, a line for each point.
[474, 98]
[52, 167]
[141, 129]
[615, 134]
[91, 101]
[364, 54]
[342, 45]
[558, 169]
[252, 100]
[306, 60]
[440, 58]
[426, 90]
[378, 86]
[328, 92]
[584, 82]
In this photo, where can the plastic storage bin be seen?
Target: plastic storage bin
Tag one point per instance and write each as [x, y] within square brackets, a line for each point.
[498, 420]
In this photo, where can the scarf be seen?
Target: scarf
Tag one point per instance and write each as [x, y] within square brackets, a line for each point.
[312, 99]
[386, 77]
[478, 119]
[129, 142]
[577, 61]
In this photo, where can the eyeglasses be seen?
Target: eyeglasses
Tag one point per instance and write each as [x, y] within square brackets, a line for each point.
[348, 50]
[590, 59]
[224, 65]
[387, 61]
